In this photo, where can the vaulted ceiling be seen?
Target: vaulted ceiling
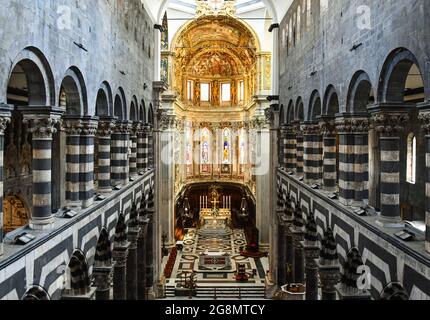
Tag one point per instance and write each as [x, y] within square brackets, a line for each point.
[276, 8]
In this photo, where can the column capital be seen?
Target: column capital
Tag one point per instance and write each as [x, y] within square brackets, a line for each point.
[5, 117]
[352, 123]
[120, 254]
[327, 125]
[123, 126]
[42, 121]
[424, 118]
[310, 128]
[106, 126]
[77, 125]
[389, 119]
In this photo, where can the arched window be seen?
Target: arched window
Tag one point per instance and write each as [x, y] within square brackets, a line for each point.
[205, 150]
[242, 149]
[188, 150]
[411, 165]
[226, 146]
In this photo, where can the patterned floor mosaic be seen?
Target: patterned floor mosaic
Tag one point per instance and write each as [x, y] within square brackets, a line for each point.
[195, 244]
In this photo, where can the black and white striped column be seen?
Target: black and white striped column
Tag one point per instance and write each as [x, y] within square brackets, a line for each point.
[73, 127]
[105, 129]
[86, 161]
[290, 153]
[425, 119]
[145, 148]
[353, 159]
[151, 147]
[327, 127]
[312, 156]
[133, 155]
[42, 122]
[361, 151]
[390, 125]
[299, 150]
[5, 116]
[140, 150]
[119, 153]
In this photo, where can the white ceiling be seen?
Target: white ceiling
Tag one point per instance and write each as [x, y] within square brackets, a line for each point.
[277, 8]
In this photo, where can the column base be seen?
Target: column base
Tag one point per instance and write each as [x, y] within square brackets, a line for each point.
[352, 294]
[87, 203]
[104, 190]
[391, 223]
[42, 224]
[74, 205]
[90, 295]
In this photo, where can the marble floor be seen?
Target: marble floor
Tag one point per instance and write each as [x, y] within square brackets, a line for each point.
[222, 284]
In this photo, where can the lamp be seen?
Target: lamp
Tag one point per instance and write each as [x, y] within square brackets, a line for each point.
[243, 213]
[187, 209]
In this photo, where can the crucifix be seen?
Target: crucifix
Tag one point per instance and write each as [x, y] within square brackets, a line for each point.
[215, 202]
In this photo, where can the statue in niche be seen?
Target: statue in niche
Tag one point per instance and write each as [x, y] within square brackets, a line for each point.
[215, 93]
[197, 91]
[233, 92]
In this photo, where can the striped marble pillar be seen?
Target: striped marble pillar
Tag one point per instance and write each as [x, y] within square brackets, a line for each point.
[353, 159]
[290, 153]
[133, 155]
[105, 129]
[119, 153]
[86, 163]
[312, 156]
[327, 127]
[424, 117]
[5, 116]
[361, 152]
[151, 147]
[299, 149]
[140, 150]
[42, 123]
[281, 143]
[145, 147]
[390, 125]
[73, 126]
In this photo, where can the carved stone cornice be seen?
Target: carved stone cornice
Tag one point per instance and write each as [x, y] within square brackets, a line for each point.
[389, 124]
[352, 125]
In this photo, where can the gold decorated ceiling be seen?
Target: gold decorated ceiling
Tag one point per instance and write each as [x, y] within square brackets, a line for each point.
[215, 46]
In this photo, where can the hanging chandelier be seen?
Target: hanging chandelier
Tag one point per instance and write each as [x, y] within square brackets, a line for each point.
[187, 209]
[243, 213]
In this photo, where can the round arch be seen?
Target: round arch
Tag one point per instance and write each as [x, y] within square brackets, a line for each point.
[73, 93]
[290, 113]
[120, 104]
[134, 107]
[300, 112]
[394, 75]
[360, 93]
[38, 74]
[331, 101]
[104, 103]
[314, 110]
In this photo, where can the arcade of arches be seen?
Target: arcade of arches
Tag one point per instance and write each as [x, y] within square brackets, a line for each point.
[226, 149]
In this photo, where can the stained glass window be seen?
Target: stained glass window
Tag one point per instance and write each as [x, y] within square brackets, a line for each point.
[205, 147]
[226, 150]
